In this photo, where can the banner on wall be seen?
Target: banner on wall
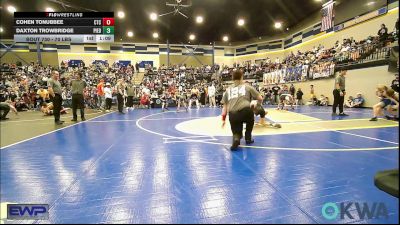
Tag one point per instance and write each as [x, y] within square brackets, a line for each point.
[75, 63]
[103, 62]
[124, 63]
[145, 64]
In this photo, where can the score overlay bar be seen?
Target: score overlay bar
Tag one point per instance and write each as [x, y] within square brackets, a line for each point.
[81, 38]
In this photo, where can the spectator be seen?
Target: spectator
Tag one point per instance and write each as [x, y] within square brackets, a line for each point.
[292, 90]
[349, 102]
[108, 96]
[358, 101]
[395, 83]
[323, 101]
[275, 91]
[383, 33]
[299, 97]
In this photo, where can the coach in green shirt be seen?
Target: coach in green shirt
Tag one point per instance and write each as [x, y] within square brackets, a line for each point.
[338, 93]
[77, 88]
[54, 89]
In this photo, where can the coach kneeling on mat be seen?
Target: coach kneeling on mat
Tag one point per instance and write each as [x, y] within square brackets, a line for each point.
[77, 88]
[236, 102]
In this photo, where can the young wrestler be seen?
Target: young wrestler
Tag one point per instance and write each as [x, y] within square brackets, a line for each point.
[259, 110]
[387, 101]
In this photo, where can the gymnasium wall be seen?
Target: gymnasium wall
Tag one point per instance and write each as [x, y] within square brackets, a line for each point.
[47, 58]
[359, 80]
[188, 60]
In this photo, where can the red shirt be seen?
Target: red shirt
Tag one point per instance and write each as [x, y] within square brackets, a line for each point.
[100, 89]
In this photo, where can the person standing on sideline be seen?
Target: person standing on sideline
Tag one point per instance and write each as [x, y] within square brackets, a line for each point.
[130, 91]
[275, 90]
[77, 88]
[108, 96]
[137, 67]
[299, 97]
[120, 95]
[55, 91]
[211, 95]
[338, 93]
[100, 94]
[292, 90]
[236, 101]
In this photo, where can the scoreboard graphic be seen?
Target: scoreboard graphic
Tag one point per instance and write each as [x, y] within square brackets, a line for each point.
[76, 27]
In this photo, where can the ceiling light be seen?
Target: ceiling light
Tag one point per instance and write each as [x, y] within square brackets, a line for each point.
[240, 22]
[153, 16]
[225, 38]
[11, 9]
[121, 14]
[48, 9]
[287, 28]
[155, 35]
[192, 37]
[199, 19]
[278, 25]
[1, 30]
[130, 34]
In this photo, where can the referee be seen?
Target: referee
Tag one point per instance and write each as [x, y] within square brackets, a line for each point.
[55, 91]
[236, 102]
[77, 88]
[338, 93]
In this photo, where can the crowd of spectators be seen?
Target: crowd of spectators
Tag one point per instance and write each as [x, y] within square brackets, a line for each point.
[317, 62]
[25, 87]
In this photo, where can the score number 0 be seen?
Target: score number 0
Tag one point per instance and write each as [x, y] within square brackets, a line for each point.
[108, 21]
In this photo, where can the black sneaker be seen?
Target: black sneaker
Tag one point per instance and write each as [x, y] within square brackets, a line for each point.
[249, 141]
[389, 117]
[373, 119]
[74, 120]
[235, 144]
[343, 114]
[59, 122]
[83, 119]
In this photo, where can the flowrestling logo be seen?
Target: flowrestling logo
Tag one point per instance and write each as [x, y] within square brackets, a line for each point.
[354, 210]
[27, 211]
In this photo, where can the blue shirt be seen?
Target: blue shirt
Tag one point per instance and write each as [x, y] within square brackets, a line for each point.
[358, 100]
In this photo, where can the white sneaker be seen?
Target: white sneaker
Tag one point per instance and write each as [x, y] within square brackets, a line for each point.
[107, 110]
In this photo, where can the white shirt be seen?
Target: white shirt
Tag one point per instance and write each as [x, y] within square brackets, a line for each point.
[146, 91]
[211, 91]
[107, 92]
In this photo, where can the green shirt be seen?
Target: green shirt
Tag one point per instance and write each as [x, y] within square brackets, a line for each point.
[77, 86]
[55, 85]
[341, 80]
[130, 91]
